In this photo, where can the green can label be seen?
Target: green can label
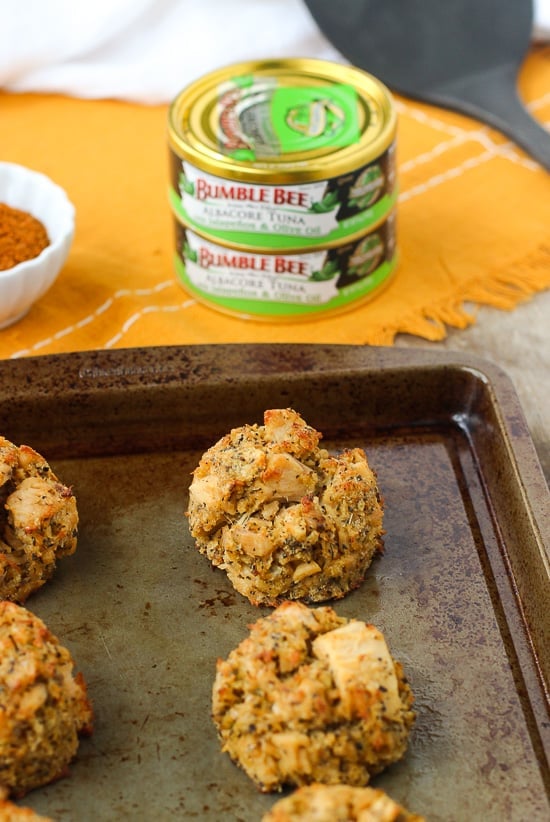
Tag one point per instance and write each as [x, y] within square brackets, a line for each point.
[284, 216]
[285, 284]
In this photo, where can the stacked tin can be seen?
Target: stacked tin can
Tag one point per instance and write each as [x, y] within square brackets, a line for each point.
[283, 188]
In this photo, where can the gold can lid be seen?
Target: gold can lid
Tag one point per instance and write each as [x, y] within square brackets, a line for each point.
[282, 121]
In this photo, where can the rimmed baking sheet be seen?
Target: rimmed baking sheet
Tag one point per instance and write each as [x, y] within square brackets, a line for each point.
[461, 592]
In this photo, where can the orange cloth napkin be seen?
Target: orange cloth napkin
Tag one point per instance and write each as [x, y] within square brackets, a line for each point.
[473, 228]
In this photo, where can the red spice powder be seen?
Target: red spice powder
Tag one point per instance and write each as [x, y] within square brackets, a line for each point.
[22, 236]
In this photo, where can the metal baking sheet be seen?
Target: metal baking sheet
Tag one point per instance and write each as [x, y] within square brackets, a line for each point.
[461, 592]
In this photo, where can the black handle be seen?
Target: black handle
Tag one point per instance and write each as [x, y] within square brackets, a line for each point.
[493, 98]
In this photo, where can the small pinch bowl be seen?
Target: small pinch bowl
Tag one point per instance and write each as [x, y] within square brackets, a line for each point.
[24, 283]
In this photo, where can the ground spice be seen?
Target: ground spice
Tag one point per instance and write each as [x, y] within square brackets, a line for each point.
[22, 236]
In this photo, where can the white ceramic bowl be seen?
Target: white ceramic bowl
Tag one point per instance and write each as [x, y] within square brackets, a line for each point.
[31, 191]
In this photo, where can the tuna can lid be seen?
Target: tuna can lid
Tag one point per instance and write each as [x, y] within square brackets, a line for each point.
[282, 121]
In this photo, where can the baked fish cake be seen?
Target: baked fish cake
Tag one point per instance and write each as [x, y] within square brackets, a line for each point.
[281, 516]
[44, 707]
[338, 803]
[309, 696]
[10, 812]
[38, 521]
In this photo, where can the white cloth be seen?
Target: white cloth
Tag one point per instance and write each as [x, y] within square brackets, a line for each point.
[144, 50]
[541, 20]
[147, 50]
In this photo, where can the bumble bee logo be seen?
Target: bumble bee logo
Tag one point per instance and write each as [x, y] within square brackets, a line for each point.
[316, 118]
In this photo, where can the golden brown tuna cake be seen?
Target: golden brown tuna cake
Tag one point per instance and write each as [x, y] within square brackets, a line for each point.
[45, 708]
[38, 521]
[309, 696]
[338, 803]
[10, 812]
[281, 516]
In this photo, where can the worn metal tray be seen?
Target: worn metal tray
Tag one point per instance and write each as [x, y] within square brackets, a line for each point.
[462, 591]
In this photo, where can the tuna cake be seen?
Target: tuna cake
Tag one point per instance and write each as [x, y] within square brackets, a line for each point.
[44, 707]
[38, 521]
[338, 803]
[309, 696]
[10, 812]
[281, 516]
